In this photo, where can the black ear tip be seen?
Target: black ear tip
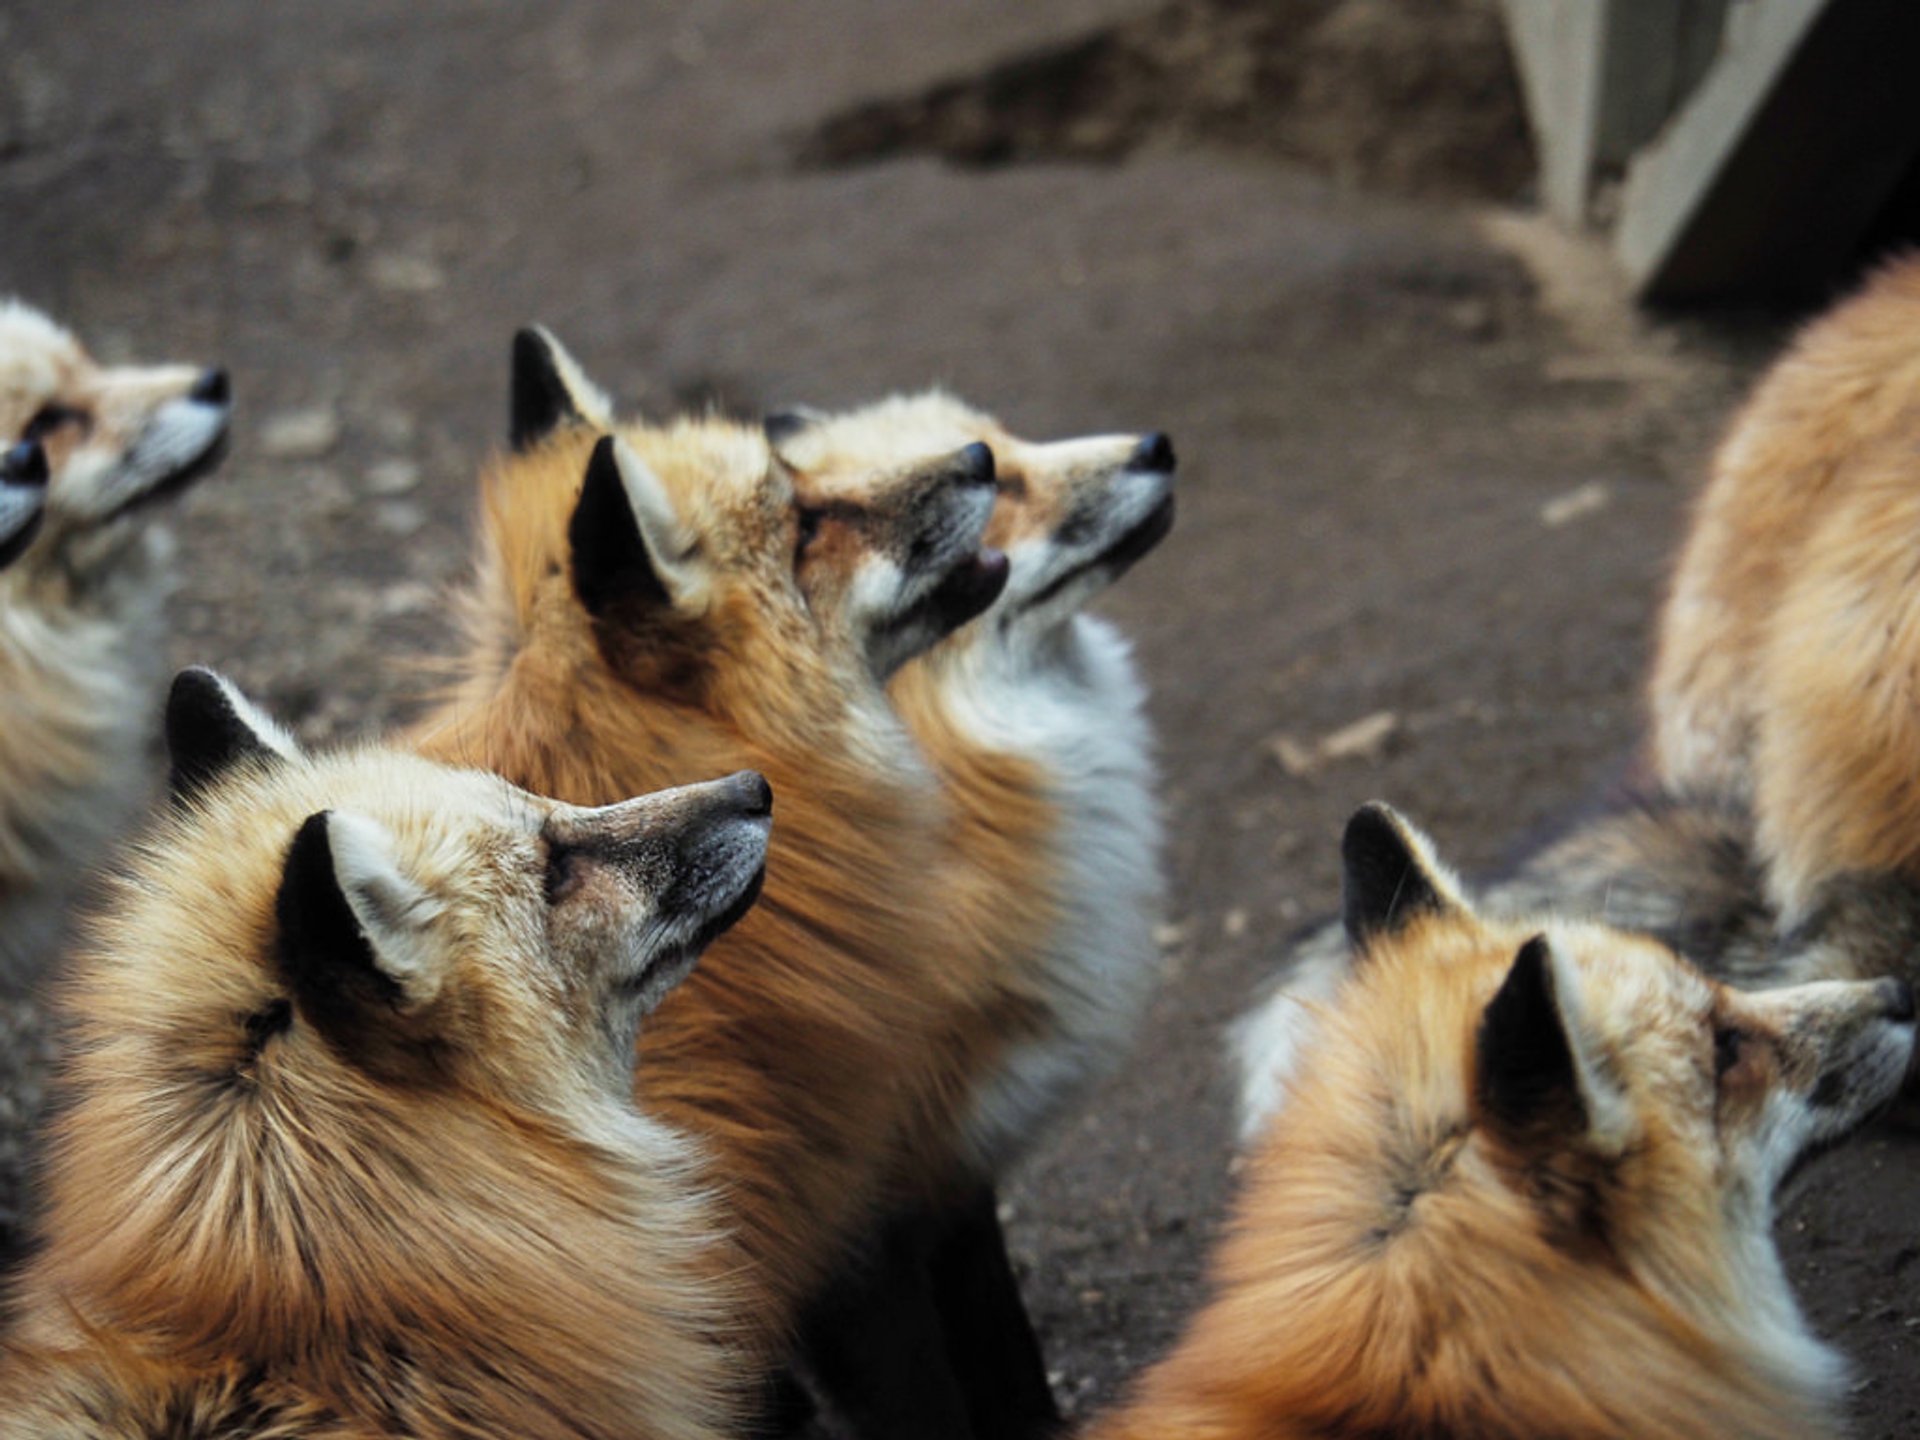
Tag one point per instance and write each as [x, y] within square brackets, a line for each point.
[530, 346]
[195, 690]
[539, 401]
[603, 468]
[208, 732]
[1373, 831]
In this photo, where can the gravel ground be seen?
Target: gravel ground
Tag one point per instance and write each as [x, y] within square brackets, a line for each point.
[1432, 467]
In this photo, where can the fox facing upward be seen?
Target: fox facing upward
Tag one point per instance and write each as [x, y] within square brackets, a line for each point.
[350, 1148]
[1032, 719]
[1523, 1185]
[82, 609]
[650, 604]
[1789, 647]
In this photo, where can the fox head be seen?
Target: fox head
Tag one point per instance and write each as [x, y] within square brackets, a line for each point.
[114, 437]
[1071, 515]
[1520, 1103]
[351, 1086]
[435, 923]
[679, 557]
[1608, 1055]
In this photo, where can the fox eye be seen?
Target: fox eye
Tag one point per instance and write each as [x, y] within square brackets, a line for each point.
[49, 418]
[1727, 1041]
[560, 871]
[806, 527]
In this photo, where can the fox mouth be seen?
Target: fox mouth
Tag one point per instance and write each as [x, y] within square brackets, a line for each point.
[730, 915]
[179, 479]
[1119, 557]
[964, 594]
[668, 968]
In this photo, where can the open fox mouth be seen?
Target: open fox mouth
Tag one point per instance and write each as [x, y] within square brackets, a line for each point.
[1120, 556]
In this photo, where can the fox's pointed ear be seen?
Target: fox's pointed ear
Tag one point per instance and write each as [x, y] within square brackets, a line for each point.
[627, 539]
[784, 424]
[211, 727]
[550, 390]
[1389, 874]
[354, 931]
[1538, 1076]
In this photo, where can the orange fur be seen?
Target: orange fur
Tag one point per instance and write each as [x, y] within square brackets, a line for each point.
[1789, 651]
[1401, 1262]
[250, 1235]
[796, 1050]
[997, 898]
[1004, 709]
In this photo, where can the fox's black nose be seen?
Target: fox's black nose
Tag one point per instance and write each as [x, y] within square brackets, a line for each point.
[1897, 996]
[974, 464]
[212, 388]
[752, 792]
[24, 464]
[1154, 452]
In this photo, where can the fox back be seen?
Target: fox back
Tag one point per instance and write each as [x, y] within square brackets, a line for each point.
[349, 1148]
[1523, 1185]
[726, 636]
[1789, 648]
[1032, 717]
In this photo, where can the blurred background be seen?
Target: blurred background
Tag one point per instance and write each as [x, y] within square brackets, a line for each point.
[1377, 265]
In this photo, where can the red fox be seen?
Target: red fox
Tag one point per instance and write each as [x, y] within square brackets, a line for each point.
[652, 604]
[350, 1148]
[1523, 1185]
[1032, 718]
[82, 609]
[1788, 651]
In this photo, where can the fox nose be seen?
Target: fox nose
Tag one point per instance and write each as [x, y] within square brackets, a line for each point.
[212, 388]
[24, 464]
[1897, 996]
[973, 464]
[751, 792]
[1154, 452]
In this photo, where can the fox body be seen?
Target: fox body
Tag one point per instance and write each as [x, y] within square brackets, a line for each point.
[670, 613]
[1789, 648]
[82, 609]
[1033, 719]
[350, 1148]
[1523, 1185]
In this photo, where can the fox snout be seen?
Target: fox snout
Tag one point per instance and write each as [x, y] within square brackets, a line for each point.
[649, 831]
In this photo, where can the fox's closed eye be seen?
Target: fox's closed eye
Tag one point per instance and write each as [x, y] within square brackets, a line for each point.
[1727, 1043]
[49, 418]
[806, 527]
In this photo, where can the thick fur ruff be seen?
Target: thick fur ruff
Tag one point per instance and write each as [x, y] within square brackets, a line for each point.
[1401, 1261]
[797, 1052]
[250, 1234]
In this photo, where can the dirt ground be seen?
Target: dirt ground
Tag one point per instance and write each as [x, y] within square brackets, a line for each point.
[1432, 467]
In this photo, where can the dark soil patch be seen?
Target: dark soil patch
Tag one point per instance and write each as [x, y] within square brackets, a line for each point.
[1416, 97]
